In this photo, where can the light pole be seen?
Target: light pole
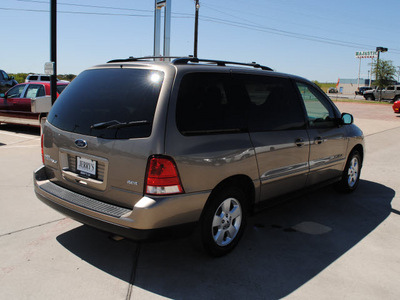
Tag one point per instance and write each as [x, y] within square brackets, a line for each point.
[379, 50]
[53, 49]
[196, 27]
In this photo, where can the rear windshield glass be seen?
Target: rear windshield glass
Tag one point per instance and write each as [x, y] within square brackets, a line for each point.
[109, 103]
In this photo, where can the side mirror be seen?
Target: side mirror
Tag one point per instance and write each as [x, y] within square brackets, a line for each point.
[347, 119]
[2, 95]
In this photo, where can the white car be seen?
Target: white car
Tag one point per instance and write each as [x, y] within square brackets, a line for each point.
[40, 77]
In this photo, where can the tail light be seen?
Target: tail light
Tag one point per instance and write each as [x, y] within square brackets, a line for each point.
[162, 177]
[41, 145]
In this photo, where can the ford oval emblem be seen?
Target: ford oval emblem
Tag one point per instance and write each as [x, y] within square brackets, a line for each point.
[81, 143]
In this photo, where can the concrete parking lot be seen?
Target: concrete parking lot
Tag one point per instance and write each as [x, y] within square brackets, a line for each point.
[323, 245]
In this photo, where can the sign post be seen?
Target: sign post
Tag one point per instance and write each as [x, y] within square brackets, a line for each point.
[159, 5]
[49, 68]
[365, 54]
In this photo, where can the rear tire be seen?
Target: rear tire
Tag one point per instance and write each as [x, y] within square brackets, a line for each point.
[351, 173]
[370, 97]
[223, 221]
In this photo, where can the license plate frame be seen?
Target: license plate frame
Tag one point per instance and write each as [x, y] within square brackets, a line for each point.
[86, 167]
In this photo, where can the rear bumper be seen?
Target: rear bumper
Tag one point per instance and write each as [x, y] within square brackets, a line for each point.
[151, 218]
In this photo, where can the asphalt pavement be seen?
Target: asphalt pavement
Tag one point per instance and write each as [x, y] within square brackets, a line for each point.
[323, 245]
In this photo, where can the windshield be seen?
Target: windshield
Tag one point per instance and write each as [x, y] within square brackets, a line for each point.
[103, 95]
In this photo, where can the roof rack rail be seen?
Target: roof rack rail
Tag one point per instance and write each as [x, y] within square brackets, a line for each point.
[131, 58]
[223, 63]
[178, 60]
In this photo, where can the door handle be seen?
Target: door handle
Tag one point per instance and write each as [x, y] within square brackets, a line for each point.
[299, 142]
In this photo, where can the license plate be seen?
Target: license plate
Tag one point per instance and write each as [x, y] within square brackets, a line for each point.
[86, 167]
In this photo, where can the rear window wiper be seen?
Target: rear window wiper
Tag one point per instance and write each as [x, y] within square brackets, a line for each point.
[114, 124]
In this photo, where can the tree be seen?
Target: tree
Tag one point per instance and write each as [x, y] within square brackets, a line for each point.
[384, 72]
[20, 77]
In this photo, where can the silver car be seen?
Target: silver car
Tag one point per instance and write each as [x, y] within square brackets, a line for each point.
[144, 149]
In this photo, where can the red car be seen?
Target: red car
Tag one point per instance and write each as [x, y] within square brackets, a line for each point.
[396, 107]
[15, 104]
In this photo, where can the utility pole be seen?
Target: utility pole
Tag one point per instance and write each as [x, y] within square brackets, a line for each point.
[53, 49]
[196, 28]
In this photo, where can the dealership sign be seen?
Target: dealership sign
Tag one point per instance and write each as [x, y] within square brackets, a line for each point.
[366, 54]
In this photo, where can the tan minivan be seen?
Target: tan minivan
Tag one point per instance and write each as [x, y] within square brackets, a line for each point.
[144, 148]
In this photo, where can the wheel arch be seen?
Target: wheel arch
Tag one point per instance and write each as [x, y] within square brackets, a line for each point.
[366, 96]
[360, 149]
[243, 182]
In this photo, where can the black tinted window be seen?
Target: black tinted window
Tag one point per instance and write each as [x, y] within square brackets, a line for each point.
[105, 95]
[207, 105]
[60, 88]
[274, 104]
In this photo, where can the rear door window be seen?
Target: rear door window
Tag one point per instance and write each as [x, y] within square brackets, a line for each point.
[274, 103]
[207, 105]
[109, 103]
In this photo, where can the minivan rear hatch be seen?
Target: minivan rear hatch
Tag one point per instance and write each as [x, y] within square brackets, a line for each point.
[98, 138]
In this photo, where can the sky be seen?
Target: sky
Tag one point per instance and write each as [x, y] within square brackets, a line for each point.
[311, 38]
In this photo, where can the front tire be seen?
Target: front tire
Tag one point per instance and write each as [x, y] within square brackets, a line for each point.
[351, 173]
[223, 221]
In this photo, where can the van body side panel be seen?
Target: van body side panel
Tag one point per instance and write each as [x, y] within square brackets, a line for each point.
[327, 154]
[283, 164]
[206, 157]
[205, 161]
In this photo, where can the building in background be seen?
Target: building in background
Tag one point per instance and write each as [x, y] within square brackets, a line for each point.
[349, 86]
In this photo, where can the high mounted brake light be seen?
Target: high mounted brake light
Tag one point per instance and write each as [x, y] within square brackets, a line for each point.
[162, 177]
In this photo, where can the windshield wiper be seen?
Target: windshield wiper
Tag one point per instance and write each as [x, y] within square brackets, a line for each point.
[114, 124]
[104, 124]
